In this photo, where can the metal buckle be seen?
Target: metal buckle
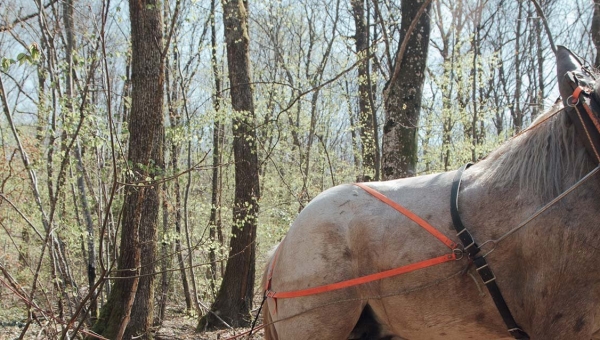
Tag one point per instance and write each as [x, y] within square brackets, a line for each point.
[458, 253]
[462, 231]
[490, 280]
[478, 269]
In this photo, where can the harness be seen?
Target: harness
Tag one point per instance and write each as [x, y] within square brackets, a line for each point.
[456, 253]
[580, 107]
[469, 246]
[481, 265]
[583, 103]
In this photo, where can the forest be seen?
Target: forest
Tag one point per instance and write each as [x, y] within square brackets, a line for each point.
[154, 152]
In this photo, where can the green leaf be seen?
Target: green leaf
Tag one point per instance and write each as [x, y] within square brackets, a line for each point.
[6, 63]
[34, 52]
[21, 58]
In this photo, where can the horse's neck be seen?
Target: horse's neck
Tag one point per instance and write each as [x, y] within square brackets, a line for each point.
[492, 212]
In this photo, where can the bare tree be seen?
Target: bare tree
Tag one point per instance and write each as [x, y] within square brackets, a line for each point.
[367, 117]
[403, 92]
[596, 31]
[134, 290]
[234, 300]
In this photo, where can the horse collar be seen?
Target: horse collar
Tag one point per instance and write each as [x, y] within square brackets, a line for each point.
[483, 268]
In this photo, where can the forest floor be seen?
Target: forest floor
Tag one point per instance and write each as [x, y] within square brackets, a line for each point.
[177, 326]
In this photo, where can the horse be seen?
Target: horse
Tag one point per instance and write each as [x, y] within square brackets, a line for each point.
[548, 270]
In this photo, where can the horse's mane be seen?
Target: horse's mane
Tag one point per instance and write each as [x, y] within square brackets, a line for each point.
[544, 160]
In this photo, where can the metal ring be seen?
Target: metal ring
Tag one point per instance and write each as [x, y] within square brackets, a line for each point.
[458, 254]
[570, 101]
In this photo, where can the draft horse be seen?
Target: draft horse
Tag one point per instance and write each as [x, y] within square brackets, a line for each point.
[543, 258]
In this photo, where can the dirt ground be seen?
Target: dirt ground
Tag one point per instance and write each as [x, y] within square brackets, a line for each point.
[177, 326]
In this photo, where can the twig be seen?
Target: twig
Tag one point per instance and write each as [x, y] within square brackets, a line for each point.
[25, 18]
[22, 216]
[540, 13]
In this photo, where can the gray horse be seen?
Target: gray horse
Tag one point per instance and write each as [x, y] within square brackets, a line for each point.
[548, 270]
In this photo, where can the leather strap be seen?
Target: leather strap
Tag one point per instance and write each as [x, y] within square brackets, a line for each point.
[414, 217]
[461, 231]
[481, 265]
[361, 280]
[581, 108]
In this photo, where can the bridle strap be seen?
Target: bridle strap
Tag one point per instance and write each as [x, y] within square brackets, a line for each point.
[481, 265]
[580, 107]
[586, 121]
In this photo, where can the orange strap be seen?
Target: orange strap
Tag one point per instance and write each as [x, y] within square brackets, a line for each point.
[372, 277]
[363, 279]
[577, 92]
[449, 243]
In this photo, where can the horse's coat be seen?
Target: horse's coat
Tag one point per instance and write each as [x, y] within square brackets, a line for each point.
[549, 271]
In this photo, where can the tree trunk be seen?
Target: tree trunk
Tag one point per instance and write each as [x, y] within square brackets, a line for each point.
[366, 112]
[516, 112]
[165, 262]
[176, 190]
[234, 300]
[214, 220]
[596, 31]
[129, 309]
[541, 93]
[402, 95]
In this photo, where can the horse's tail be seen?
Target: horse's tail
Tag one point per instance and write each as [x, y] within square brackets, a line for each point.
[270, 333]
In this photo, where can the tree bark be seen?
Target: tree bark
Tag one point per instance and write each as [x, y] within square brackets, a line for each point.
[234, 300]
[596, 31]
[129, 309]
[402, 94]
[515, 110]
[367, 134]
[214, 220]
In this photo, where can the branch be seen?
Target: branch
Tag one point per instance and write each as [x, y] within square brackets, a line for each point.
[10, 26]
[540, 12]
[24, 156]
[403, 47]
[171, 30]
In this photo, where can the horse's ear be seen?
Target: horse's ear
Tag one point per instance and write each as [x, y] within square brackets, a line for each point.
[566, 62]
[570, 72]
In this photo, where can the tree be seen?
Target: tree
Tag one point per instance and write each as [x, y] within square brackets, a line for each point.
[215, 232]
[403, 92]
[367, 119]
[134, 290]
[234, 300]
[595, 30]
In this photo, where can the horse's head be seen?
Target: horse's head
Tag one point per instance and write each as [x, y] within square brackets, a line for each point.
[581, 97]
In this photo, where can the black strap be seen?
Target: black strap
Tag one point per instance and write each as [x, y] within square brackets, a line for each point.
[584, 125]
[461, 231]
[481, 265]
